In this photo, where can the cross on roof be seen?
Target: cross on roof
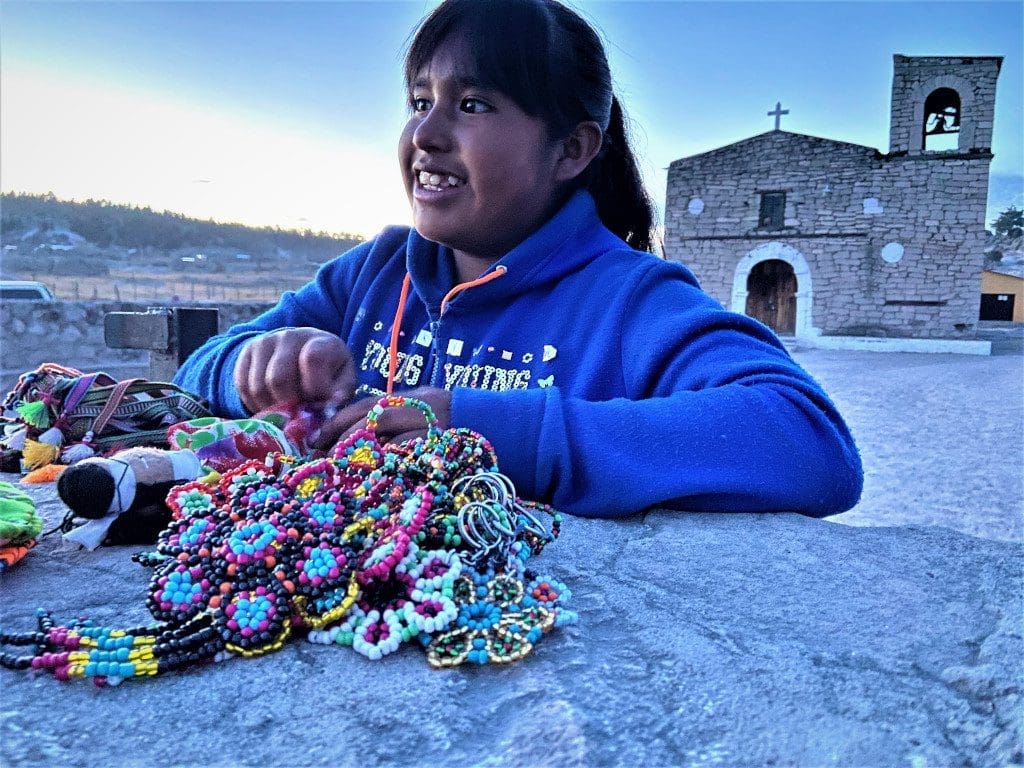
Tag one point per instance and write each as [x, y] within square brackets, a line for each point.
[778, 113]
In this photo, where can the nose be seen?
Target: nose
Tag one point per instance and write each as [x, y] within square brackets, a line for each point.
[433, 132]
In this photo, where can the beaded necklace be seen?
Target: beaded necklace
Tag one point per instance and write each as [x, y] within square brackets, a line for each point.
[372, 547]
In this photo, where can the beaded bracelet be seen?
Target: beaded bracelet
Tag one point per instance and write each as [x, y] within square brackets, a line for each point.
[372, 547]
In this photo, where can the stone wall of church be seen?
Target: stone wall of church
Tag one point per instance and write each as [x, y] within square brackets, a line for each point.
[844, 205]
[914, 77]
[825, 183]
[935, 210]
[837, 291]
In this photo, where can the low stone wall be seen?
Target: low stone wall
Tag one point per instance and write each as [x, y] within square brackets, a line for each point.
[703, 640]
[71, 333]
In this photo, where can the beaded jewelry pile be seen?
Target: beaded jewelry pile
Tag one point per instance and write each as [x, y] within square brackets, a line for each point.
[371, 547]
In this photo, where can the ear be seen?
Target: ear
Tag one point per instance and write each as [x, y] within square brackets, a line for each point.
[578, 149]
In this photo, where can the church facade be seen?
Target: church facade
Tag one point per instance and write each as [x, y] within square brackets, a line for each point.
[817, 237]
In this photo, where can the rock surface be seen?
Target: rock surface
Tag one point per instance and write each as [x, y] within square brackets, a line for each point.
[703, 640]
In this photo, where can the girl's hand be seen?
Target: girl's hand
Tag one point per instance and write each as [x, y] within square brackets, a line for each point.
[303, 366]
[395, 425]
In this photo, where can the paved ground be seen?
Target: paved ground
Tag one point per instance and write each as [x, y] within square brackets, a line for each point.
[941, 437]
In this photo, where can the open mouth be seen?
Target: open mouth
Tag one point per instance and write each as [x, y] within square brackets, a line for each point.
[436, 182]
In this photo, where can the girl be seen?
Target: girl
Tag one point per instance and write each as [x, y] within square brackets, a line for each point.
[522, 303]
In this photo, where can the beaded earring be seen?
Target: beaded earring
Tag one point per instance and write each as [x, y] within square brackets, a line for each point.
[372, 547]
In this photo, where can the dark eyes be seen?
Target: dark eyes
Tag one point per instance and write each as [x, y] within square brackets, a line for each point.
[471, 106]
[474, 106]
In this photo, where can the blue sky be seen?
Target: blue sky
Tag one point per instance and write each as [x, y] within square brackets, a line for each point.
[288, 113]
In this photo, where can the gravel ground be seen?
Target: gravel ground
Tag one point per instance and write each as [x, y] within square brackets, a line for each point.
[941, 437]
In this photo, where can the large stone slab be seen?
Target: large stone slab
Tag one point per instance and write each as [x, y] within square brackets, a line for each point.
[703, 640]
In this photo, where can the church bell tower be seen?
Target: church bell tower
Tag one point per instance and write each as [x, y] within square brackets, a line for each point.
[943, 104]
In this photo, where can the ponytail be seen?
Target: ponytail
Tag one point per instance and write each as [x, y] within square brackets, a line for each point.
[617, 187]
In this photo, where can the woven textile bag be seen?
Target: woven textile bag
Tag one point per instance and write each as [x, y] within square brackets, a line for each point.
[61, 413]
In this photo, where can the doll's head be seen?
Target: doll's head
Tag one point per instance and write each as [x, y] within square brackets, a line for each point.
[512, 110]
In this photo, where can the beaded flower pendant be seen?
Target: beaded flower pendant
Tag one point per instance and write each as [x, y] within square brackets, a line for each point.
[371, 547]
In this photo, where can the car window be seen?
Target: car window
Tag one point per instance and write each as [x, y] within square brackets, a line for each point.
[22, 293]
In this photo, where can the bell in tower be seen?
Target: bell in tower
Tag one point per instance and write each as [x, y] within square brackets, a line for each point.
[943, 104]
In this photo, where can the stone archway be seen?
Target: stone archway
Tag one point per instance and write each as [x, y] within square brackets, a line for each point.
[964, 90]
[803, 295]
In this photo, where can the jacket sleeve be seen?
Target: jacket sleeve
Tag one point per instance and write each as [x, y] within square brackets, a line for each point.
[717, 417]
[321, 303]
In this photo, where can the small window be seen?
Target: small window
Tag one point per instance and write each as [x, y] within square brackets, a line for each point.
[773, 210]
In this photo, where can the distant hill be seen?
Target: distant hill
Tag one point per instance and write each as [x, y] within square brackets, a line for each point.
[97, 249]
[104, 224]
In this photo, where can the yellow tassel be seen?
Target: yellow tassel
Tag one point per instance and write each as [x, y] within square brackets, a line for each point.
[35, 454]
[46, 474]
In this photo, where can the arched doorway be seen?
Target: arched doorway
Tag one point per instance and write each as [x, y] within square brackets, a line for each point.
[771, 295]
[777, 251]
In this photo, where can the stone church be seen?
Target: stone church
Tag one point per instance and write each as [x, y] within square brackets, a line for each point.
[822, 238]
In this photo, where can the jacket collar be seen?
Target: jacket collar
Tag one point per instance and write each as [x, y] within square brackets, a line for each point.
[571, 238]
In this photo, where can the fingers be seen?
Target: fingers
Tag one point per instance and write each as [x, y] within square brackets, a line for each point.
[344, 423]
[295, 365]
[398, 421]
[327, 373]
[281, 376]
[394, 425]
[249, 374]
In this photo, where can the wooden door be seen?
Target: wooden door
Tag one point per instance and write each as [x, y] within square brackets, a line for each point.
[771, 296]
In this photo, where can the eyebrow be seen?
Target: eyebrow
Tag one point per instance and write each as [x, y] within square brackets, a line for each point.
[460, 83]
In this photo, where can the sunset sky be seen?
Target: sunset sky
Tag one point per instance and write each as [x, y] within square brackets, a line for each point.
[288, 113]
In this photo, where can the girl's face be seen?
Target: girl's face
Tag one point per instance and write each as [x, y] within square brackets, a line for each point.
[480, 173]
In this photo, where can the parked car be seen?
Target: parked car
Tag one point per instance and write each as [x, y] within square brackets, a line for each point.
[24, 290]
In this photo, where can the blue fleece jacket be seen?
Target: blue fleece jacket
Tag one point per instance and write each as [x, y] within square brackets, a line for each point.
[607, 381]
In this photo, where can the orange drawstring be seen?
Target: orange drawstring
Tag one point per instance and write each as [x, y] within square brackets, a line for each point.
[498, 272]
[396, 326]
[393, 348]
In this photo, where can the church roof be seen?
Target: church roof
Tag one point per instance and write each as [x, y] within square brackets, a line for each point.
[787, 137]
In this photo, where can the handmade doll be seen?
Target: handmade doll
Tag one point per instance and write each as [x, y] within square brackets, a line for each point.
[135, 481]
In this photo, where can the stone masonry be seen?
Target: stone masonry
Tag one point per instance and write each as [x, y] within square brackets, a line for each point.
[880, 244]
[71, 333]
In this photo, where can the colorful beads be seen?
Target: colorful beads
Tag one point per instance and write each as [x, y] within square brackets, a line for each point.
[190, 500]
[320, 564]
[372, 547]
[179, 590]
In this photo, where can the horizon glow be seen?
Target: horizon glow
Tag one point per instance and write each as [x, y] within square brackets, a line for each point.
[288, 114]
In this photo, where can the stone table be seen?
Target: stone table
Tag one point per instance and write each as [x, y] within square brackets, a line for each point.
[703, 640]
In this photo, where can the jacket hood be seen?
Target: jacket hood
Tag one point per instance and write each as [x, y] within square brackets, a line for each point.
[544, 257]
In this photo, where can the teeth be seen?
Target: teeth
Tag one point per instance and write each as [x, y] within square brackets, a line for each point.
[437, 181]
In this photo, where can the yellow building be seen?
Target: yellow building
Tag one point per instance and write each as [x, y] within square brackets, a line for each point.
[1002, 293]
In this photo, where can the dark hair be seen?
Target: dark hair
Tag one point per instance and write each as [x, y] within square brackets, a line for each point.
[551, 63]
